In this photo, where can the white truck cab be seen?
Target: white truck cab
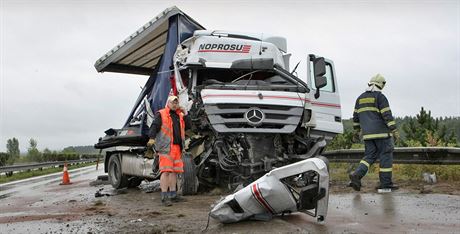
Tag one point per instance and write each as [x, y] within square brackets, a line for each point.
[212, 55]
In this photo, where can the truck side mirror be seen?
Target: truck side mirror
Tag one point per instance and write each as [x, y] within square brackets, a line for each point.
[319, 66]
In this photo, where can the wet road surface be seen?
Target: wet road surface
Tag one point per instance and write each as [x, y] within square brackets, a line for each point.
[30, 184]
[43, 206]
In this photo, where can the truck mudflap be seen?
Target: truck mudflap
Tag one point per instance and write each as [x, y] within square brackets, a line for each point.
[302, 186]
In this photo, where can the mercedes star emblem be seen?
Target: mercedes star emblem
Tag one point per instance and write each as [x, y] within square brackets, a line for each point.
[254, 116]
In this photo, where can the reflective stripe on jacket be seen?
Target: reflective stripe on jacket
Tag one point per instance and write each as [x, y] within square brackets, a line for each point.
[165, 137]
[373, 115]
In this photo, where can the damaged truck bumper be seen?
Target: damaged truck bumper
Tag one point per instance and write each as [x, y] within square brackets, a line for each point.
[301, 186]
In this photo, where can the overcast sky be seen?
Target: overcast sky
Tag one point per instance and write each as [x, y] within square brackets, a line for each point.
[50, 91]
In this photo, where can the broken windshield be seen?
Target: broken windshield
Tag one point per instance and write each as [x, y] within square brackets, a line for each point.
[247, 79]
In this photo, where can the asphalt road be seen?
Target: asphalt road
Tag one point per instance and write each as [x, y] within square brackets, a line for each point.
[43, 206]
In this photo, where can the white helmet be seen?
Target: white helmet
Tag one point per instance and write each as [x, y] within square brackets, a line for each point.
[377, 80]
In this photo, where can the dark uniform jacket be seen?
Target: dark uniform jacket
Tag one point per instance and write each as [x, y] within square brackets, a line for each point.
[373, 115]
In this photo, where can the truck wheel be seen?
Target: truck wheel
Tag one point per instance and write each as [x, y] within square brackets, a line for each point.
[189, 180]
[134, 182]
[116, 177]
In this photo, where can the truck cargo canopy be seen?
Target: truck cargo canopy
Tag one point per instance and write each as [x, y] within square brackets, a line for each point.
[141, 52]
[150, 51]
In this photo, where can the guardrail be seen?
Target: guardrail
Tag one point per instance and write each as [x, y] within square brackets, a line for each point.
[403, 155]
[25, 167]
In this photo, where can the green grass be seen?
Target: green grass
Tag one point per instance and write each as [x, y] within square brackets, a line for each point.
[29, 174]
[339, 171]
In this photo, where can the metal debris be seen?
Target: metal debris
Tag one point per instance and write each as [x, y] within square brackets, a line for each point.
[100, 194]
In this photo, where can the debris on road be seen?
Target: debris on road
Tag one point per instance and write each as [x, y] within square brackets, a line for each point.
[103, 177]
[100, 194]
[302, 186]
[429, 178]
[150, 187]
[135, 221]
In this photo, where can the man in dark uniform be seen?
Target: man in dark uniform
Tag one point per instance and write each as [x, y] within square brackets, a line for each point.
[372, 115]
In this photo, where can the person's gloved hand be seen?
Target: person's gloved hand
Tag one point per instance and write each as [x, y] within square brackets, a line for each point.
[150, 143]
[396, 136]
[355, 137]
[149, 153]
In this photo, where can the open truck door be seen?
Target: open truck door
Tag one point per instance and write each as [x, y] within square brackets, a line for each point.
[325, 97]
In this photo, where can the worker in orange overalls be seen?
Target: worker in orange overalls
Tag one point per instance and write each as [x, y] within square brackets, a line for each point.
[167, 134]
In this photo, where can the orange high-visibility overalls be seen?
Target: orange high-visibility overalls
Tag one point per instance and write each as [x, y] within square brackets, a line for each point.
[169, 153]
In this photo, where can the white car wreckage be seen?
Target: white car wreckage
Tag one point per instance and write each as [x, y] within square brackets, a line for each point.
[301, 186]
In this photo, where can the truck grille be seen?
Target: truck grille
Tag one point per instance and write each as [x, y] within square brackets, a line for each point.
[235, 118]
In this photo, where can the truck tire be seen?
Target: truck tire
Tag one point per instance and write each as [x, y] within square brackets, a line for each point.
[134, 182]
[188, 180]
[116, 177]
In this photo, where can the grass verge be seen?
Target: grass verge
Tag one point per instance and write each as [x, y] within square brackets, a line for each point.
[29, 174]
[339, 171]
[407, 176]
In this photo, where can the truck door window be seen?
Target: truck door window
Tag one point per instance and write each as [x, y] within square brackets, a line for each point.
[330, 87]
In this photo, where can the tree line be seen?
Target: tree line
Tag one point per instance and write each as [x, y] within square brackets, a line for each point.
[13, 154]
[423, 130]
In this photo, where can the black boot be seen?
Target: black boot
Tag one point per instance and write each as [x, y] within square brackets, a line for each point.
[165, 199]
[355, 182]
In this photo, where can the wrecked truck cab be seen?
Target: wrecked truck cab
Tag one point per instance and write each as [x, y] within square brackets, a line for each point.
[249, 114]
